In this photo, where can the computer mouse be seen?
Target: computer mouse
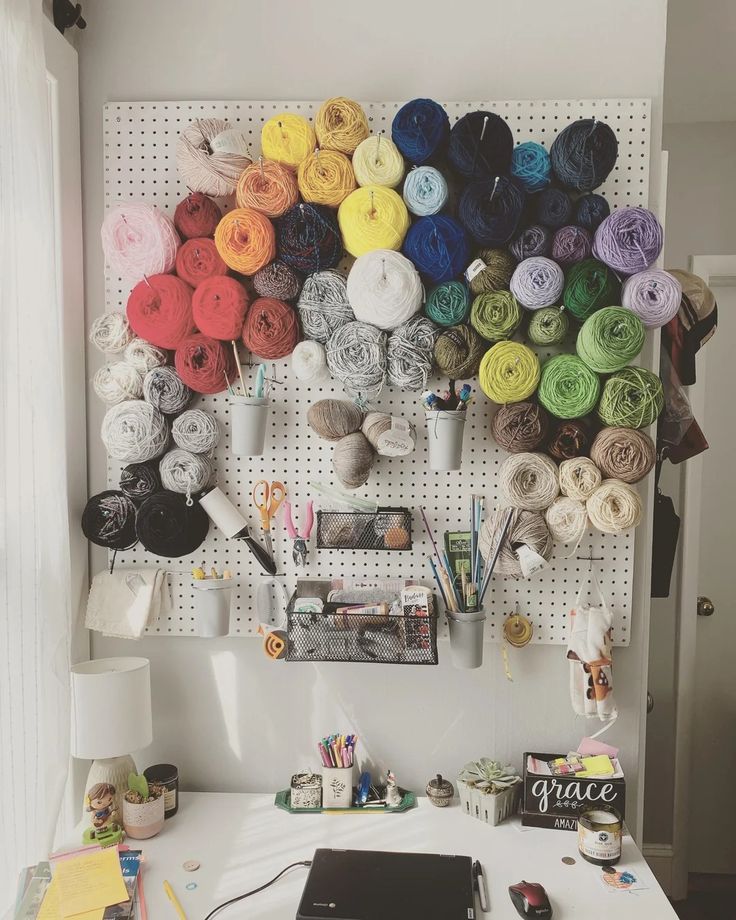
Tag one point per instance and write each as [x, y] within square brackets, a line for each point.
[530, 899]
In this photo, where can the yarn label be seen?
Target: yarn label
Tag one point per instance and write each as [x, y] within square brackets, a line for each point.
[475, 268]
[530, 562]
[397, 441]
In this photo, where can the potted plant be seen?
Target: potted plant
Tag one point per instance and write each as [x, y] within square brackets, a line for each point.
[143, 808]
[488, 790]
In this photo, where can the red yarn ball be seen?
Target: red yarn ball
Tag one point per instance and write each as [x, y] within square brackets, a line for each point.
[203, 362]
[160, 310]
[219, 306]
[197, 215]
[271, 328]
[197, 260]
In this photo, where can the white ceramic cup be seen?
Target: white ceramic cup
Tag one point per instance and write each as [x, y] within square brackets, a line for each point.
[445, 431]
[248, 421]
[212, 607]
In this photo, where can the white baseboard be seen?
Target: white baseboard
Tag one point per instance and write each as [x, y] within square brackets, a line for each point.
[659, 857]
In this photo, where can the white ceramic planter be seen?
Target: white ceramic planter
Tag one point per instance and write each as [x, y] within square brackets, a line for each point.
[145, 820]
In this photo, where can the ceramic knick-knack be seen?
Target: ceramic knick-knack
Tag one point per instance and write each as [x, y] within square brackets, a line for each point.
[440, 791]
[105, 829]
[393, 793]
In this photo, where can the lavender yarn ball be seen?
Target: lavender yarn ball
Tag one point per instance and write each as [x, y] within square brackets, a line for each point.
[537, 283]
[571, 244]
[629, 240]
[534, 241]
[654, 295]
[591, 210]
[553, 208]
[278, 280]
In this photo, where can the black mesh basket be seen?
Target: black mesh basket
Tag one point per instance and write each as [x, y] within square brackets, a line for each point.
[387, 529]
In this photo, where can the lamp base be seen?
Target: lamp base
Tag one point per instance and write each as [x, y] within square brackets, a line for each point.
[114, 771]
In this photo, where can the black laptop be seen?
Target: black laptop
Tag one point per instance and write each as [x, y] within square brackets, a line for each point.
[372, 885]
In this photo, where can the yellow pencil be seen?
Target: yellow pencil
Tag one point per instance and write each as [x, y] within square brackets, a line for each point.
[175, 901]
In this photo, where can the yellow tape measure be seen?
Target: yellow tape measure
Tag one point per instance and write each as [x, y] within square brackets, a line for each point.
[517, 632]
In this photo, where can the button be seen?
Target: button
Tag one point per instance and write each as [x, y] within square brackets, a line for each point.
[191, 865]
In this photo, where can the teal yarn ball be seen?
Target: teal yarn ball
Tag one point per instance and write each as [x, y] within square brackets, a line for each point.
[610, 339]
[567, 387]
[548, 326]
[631, 398]
[531, 166]
[448, 303]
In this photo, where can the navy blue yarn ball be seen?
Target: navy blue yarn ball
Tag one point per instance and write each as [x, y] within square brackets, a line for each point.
[481, 144]
[553, 208]
[308, 238]
[420, 129]
[583, 154]
[491, 210]
[591, 210]
[438, 246]
[532, 241]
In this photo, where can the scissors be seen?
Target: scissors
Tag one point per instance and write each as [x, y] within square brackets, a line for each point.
[267, 498]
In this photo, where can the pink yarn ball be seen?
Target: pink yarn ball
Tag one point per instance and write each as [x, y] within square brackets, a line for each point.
[138, 241]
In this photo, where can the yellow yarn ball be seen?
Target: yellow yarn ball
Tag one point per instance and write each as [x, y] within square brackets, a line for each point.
[341, 124]
[371, 218]
[509, 372]
[288, 139]
[378, 161]
[326, 177]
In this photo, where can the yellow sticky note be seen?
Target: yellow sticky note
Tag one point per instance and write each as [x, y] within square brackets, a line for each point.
[51, 909]
[89, 882]
[599, 764]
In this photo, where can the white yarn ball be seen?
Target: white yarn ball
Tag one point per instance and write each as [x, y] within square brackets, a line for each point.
[133, 431]
[384, 289]
[567, 520]
[529, 481]
[378, 161]
[309, 362]
[144, 357]
[116, 382]
[184, 472]
[111, 332]
[196, 431]
[614, 507]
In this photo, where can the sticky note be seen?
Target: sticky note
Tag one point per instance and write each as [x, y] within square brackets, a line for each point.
[86, 883]
[51, 908]
[600, 765]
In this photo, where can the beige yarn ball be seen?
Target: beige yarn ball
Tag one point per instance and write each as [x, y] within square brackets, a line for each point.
[333, 419]
[579, 478]
[374, 425]
[116, 382]
[208, 163]
[352, 460]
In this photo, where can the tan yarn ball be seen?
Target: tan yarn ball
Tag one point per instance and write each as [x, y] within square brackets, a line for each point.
[201, 167]
[623, 453]
[352, 459]
[341, 124]
[579, 478]
[333, 419]
[614, 507]
[526, 528]
[374, 425]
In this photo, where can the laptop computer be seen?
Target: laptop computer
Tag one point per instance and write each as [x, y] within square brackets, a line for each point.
[374, 885]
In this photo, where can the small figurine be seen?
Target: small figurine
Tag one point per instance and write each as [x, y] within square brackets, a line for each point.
[393, 793]
[105, 828]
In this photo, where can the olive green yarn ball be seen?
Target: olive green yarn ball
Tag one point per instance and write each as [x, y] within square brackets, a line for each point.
[610, 339]
[495, 315]
[567, 388]
[499, 267]
[548, 326]
[631, 398]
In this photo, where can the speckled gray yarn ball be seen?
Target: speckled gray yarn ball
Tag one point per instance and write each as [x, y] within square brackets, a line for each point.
[323, 305]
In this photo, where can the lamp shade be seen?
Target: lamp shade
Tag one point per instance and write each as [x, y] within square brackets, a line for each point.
[111, 707]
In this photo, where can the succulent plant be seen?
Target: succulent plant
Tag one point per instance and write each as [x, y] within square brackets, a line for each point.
[489, 775]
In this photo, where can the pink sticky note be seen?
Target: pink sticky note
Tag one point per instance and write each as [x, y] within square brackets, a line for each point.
[591, 747]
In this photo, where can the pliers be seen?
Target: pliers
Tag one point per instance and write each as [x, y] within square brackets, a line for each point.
[299, 551]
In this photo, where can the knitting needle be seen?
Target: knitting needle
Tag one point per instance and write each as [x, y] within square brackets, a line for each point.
[231, 391]
[240, 368]
[494, 557]
[437, 580]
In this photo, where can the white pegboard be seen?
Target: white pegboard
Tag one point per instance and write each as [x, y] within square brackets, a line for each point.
[140, 164]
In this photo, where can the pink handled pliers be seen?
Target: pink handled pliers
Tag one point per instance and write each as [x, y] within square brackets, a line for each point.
[299, 551]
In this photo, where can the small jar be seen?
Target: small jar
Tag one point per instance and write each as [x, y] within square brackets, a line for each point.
[440, 791]
[599, 835]
[166, 775]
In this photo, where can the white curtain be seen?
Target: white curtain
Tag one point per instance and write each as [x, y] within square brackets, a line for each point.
[35, 604]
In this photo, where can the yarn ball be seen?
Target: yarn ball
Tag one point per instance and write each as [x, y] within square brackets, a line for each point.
[164, 389]
[196, 431]
[197, 260]
[591, 210]
[108, 520]
[185, 472]
[378, 161]
[590, 285]
[309, 362]
[326, 177]
[169, 527]
[288, 139]
[535, 240]
[438, 246]
[537, 283]
[509, 372]
[372, 217]
[384, 289]
[614, 507]
[203, 363]
[138, 240]
[323, 305]
[139, 480]
[376, 424]
[571, 244]
[567, 520]
[159, 310]
[631, 398]
[204, 168]
[277, 279]
[268, 187]
[333, 419]
[410, 353]
[448, 303]
[341, 124]
[495, 316]
[583, 154]
[529, 481]
[134, 431]
[579, 478]
[553, 208]
[629, 240]
[623, 453]
[352, 459]
[654, 295]
[196, 216]
[498, 267]
[526, 528]
[231, 140]
[519, 427]
[245, 239]
[219, 306]
[143, 356]
[271, 328]
[111, 332]
[425, 191]
[116, 382]
[481, 144]
[309, 238]
[458, 351]
[548, 326]
[568, 439]
[531, 166]
[420, 129]
[610, 339]
[567, 387]
[356, 355]
[490, 210]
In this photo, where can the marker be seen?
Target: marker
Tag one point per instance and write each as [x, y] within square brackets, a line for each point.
[480, 884]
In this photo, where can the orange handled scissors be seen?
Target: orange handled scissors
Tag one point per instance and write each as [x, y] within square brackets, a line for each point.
[267, 498]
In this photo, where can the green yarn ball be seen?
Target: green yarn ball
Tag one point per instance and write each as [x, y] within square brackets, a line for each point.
[589, 286]
[499, 267]
[610, 339]
[567, 388]
[495, 316]
[448, 303]
[548, 326]
[631, 398]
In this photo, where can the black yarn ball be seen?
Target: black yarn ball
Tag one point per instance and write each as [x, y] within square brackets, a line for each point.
[139, 480]
[481, 144]
[534, 241]
[490, 210]
[583, 154]
[591, 210]
[308, 238]
[168, 527]
[108, 520]
[553, 208]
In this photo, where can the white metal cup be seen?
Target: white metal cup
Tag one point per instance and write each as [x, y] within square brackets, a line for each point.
[445, 431]
[248, 421]
[212, 606]
[466, 638]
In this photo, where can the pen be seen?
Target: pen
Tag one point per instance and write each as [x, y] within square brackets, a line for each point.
[174, 900]
[480, 884]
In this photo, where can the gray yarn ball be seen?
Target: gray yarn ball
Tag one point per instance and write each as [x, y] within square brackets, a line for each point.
[164, 389]
[410, 353]
[323, 305]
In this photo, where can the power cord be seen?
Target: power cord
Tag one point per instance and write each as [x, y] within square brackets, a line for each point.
[242, 897]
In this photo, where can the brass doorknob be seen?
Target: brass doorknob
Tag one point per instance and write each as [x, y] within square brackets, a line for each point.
[706, 607]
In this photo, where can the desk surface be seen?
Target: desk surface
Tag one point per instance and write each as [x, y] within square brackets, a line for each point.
[243, 840]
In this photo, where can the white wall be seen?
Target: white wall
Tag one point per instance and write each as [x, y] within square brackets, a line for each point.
[227, 716]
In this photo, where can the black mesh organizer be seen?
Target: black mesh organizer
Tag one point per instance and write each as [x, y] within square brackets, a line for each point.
[386, 529]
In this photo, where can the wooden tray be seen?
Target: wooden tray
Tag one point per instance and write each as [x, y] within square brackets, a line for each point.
[283, 800]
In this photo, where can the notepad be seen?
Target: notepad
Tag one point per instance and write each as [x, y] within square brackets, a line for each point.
[87, 883]
[51, 907]
[599, 765]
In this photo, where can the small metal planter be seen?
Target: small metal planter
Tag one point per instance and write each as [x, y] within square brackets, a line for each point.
[306, 790]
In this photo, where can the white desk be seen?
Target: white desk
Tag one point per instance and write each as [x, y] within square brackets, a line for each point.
[243, 840]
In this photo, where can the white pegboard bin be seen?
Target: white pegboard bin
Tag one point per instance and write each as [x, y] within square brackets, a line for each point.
[140, 164]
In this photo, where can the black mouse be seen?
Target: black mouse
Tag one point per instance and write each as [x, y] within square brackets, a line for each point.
[530, 899]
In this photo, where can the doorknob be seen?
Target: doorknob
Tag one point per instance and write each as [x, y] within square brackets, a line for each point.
[650, 702]
[706, 607]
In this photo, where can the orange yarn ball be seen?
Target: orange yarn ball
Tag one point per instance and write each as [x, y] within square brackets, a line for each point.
[246, 241]
[271, 328]
[268, 187]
